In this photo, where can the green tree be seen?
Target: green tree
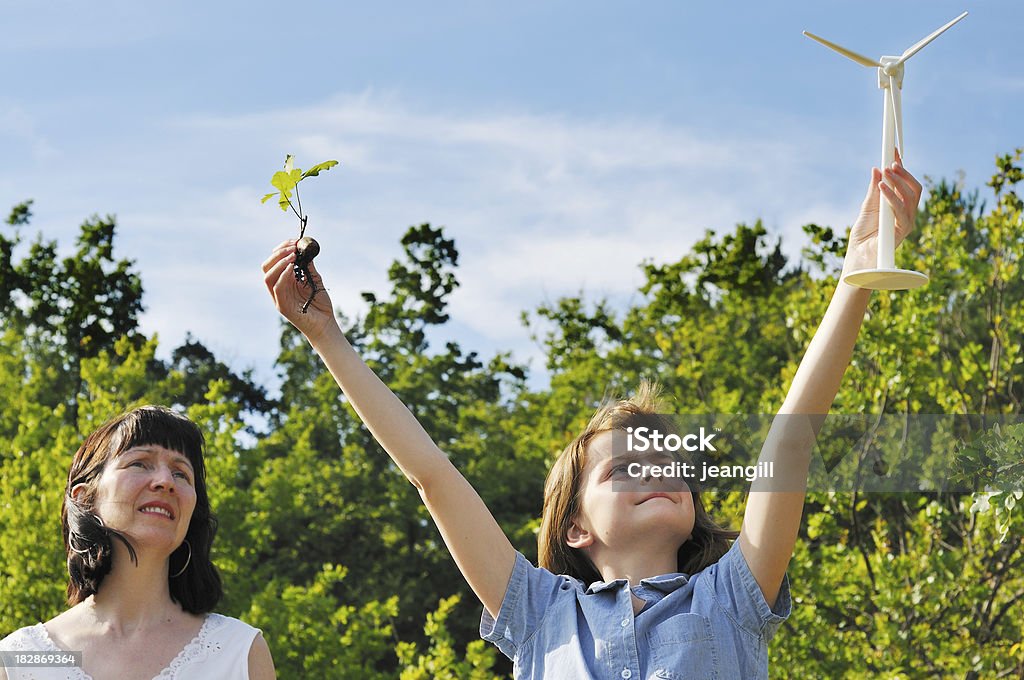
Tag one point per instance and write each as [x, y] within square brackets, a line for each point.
[326, 547]
[69, 308]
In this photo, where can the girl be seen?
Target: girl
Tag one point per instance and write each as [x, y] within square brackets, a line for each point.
[650, 586]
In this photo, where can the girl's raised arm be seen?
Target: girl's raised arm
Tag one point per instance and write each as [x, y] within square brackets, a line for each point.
[771, 520]
[480, 548]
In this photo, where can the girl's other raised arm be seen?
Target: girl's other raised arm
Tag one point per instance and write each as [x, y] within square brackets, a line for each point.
[482, 552]
[771, 519]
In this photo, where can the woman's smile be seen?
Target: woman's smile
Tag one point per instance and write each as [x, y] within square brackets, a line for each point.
[158, 509]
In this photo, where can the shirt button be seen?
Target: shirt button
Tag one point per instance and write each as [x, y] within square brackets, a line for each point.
[625, 622]
[626, 673]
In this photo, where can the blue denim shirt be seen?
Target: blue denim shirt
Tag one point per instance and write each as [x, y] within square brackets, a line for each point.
[712, 624]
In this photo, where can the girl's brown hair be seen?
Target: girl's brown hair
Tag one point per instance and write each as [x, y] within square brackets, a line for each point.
[89, 544]
[563, 492]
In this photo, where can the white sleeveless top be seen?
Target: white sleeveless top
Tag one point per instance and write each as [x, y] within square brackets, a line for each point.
[220, 650]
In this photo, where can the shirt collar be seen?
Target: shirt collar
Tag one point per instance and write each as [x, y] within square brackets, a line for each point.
[666, 583]
[601, 586]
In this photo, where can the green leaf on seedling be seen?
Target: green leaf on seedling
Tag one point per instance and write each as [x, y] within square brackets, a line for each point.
[282, 181]
[316, 169]
[286, 180]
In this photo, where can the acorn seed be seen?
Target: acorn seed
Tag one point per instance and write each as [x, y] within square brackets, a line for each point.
[305, 250]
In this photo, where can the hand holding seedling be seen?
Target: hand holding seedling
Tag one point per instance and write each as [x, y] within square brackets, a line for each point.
[305, 248]
[289, 293]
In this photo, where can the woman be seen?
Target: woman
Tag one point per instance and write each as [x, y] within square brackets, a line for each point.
[137, 531]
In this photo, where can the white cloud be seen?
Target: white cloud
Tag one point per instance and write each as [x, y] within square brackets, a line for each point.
[16, 124]
[540, 206]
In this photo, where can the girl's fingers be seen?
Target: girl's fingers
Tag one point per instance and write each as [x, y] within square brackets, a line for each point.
[904, 216]
[283, 247]
[872, 195]
[312, 269]
[893, 198]
[284, 292]
[900, 185]
[913, 187]
[273, 276]
[898, 167]
[902, 171]
[315, 276]
[909, 189]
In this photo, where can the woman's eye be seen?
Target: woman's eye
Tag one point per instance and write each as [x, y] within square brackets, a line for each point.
[182, 475]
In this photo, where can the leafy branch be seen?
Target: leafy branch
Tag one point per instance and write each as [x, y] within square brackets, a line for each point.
[287, 181]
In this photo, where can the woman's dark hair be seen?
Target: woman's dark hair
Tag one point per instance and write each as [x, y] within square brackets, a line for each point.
[88, 542]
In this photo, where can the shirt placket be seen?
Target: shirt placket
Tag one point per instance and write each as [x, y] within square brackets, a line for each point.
[629, 661]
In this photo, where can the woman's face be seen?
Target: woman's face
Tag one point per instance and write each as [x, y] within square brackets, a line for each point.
[619, 511]
[148, 494]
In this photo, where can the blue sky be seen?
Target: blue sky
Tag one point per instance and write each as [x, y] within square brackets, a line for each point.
[559, 143]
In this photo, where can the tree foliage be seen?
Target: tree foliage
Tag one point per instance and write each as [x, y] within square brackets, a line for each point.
[326, 547]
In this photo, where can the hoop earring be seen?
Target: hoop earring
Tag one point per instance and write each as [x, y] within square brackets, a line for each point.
[71, 537]
[71, 545]
[187, 561]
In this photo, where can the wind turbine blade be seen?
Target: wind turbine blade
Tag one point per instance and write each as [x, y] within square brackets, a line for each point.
[897, 111]
[849, 54]
[911, 51]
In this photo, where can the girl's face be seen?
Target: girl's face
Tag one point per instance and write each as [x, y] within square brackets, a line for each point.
[148, 494]
[620, 512]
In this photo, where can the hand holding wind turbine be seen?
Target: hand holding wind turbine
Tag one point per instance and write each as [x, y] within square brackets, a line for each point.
[885, 276]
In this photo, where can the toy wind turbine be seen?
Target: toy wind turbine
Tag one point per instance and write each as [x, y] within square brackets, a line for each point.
[885, 276]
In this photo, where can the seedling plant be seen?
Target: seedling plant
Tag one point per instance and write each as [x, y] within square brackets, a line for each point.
[306, 248]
